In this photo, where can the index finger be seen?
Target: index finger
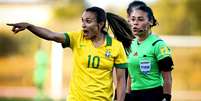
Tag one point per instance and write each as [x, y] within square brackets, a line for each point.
[10, 24]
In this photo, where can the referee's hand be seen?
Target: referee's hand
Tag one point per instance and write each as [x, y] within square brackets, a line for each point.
[166, 97]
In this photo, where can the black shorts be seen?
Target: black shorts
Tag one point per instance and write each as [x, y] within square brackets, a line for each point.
[153, 94]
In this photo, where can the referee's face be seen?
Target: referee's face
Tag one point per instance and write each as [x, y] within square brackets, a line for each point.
[139, 22]
[90, 26]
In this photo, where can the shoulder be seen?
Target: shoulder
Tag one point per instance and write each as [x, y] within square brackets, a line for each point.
[79, 32]
[154, 37]
[160, 45]
[156, 40]
[75, 35]
[116, 42]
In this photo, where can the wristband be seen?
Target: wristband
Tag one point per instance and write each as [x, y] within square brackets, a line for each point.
[167, 97]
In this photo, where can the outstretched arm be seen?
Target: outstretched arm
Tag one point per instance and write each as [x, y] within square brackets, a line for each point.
[38, 31]
[121, 84]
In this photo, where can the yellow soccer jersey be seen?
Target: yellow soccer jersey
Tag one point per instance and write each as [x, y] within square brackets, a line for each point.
[91, 79]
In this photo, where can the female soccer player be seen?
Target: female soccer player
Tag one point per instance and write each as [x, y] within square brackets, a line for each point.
[95, 54]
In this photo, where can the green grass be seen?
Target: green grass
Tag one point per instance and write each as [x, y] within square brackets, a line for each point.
[15, 99]
[25, 99]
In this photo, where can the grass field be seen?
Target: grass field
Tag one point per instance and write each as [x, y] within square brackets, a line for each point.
[18, 70]
[14, 99]
[26, 99]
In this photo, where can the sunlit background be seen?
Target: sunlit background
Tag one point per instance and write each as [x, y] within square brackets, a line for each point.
[179, 25]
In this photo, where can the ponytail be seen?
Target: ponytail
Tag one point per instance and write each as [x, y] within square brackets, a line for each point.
[121, 30]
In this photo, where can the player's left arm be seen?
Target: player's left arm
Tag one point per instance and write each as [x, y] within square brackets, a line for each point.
[121, 65]
[121, 84]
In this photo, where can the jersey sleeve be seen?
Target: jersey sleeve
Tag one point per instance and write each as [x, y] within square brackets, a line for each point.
[121, 59]
[162, 50]
[70, 39]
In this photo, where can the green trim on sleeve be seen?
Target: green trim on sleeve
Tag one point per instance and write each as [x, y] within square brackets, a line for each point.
[121, 66]
[66, 41]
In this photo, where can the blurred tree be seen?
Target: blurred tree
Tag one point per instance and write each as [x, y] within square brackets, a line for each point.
[68, 9]
[180, 17]
[194, 12]
[11, 45]
[8, 45]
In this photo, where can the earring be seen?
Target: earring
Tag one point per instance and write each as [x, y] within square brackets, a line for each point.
[150, 23]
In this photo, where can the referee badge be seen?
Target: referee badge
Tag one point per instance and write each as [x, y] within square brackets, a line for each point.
[145, 66]
[107, 53]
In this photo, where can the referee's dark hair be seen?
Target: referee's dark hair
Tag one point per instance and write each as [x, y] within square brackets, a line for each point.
[133, 5]
[140, 5]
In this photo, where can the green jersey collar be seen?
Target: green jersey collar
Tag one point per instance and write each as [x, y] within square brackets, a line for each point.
[108, 40]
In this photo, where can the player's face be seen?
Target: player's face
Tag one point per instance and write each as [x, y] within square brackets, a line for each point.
[139, 22]
[89, 25]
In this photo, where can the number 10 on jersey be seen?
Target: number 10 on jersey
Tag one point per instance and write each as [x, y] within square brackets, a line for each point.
[93, 61]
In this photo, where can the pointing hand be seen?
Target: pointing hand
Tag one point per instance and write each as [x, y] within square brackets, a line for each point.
[17, 27]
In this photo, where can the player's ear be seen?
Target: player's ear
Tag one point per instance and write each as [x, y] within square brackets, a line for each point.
[101, 24]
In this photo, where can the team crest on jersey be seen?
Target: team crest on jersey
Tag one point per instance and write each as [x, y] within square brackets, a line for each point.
[107, 53]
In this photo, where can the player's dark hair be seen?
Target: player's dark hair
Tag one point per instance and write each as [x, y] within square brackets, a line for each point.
[117, 24]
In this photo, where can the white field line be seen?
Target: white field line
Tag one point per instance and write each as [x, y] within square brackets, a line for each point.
[182, 41]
